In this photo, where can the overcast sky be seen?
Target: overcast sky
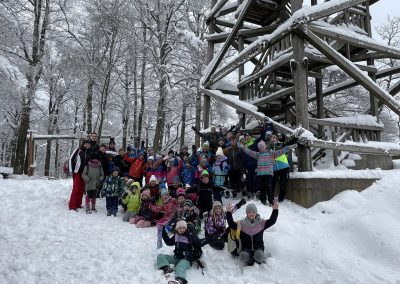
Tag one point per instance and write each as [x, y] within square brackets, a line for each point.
[381, 9]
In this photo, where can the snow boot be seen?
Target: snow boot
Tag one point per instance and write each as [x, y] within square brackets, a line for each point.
[177, 280]
[94, 209]
[88, 211]
[166, 269]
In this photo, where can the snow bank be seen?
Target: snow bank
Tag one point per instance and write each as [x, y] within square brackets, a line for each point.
[350, 239]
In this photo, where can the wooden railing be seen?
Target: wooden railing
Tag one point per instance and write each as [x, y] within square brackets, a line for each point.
[356, 16]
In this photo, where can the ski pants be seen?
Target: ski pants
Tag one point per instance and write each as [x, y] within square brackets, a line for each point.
[283, 176]
[181, 265]
[265, 188]
[78, 189]
[247, 256]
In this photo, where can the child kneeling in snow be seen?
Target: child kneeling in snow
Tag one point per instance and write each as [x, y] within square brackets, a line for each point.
[185, 242]
[251, 232]
[145, 217]
[132, 201]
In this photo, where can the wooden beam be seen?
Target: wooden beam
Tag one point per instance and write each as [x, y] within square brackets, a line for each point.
[243, 32]
[359, 41]
[327, 122]
[215, 9]
[217, 60]
[241, 106]
[347, 66]
[395, 88]
[359, 148]
[271, 66]
[274, 96]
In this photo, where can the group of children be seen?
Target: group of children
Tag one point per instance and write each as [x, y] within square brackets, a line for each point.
[182, 189]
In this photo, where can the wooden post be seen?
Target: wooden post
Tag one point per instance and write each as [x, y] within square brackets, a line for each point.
[320, 105]
[299, 69]
[335, 152]
[242, 116]
[30, 153]
[210, 55]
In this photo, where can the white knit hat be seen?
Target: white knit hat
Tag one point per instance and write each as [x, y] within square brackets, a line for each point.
[219, 152]
[153, 178]
[181, 224]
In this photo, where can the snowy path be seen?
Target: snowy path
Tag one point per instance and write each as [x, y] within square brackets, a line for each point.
[353, 238]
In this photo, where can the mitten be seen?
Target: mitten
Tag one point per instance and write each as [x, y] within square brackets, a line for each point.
[241, 203]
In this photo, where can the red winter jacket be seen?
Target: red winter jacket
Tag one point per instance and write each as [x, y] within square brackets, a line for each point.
[137, 167]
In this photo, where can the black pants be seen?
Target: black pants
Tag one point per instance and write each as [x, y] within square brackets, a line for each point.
[235, 180]
[251, 180]
[265, 188]
[112, 204]
[283, 176]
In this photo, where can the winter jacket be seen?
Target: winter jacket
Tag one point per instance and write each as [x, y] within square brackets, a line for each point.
[79, 159]
[168, 209]
[187, 174]
[93, 175]
[184, 244]
[132, 200]
[145, 211]
[123, 165]
[205, 195]
[281, 162]
[234, 157]
[220, 170]
[137, 167]
[265, 160]
[251, 233]
[113, 187]
[215, 223]
[172, 172]
[159, 170]
[103, 158]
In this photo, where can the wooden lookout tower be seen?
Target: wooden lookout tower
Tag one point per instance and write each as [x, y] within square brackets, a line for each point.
[281, 46]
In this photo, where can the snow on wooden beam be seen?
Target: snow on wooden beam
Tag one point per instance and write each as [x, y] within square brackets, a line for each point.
[348, 66]
[244, 107]
[378, 148]
[220, 37]
[305, 14]
[215, 9]
[354, 39]
[271, 66]
[331, 122]
[217, 60]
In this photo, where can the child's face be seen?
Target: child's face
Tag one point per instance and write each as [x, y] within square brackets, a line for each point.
[115, 173]
[153, 183]
[186, 207]
[134, 189]
[181, 199]
[251, 215]
[145, 197]
[217, 210]
[181, 230]
[165, 197]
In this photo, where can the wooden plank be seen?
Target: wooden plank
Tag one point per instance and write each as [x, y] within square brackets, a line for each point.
[347, 66]
[339, 34]
[217, 60]
[359, 148]
[271, 66]
[215, 9]
[395, 88]
[274, 96]
[325, 122]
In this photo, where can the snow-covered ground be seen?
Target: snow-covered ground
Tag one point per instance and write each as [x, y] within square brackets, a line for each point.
[354, 238]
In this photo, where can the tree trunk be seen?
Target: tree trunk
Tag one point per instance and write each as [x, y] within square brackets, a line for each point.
[47, 159]
[198, 118]
[57, 160]
[135, 102]
[183, 126]
[89, 105]
[160, 124]
[126, 108]
[142, 84]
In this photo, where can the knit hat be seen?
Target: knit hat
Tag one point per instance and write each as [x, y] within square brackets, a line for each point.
[140, 153]
[203, 159]
[163, 186]
[206, 145]
[219, 152]
[180, 192]
[103, 145]
[112, 141]
[171, 152]
[268, 135]
[116, 169]
[164, 192]
[181, 224]
[175, 179]
[217, 203]
[251, 208]
[188, 202]
[151, 158]
[87, 142]
[204, 173]
[261, 144]
[146, 193]
[153, 178]
[187, 185]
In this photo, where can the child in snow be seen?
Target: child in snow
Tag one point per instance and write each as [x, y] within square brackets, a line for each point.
[187, 173]
[132, 201]
[251, 232]
[93, 176]
[148, 169]
[145, 216]
[189, 213]
[113, 187]
[215, 223]
[265, 160]
[220, 168]
[185, 242]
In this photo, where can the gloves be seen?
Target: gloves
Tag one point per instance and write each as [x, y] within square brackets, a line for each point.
[124, 195]
[241, 203]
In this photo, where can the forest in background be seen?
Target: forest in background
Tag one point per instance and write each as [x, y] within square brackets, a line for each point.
[125, 69]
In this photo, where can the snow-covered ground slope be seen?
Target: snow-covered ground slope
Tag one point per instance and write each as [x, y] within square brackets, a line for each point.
[354, 238]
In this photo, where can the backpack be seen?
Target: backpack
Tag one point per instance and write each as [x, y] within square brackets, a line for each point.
[234, 243]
